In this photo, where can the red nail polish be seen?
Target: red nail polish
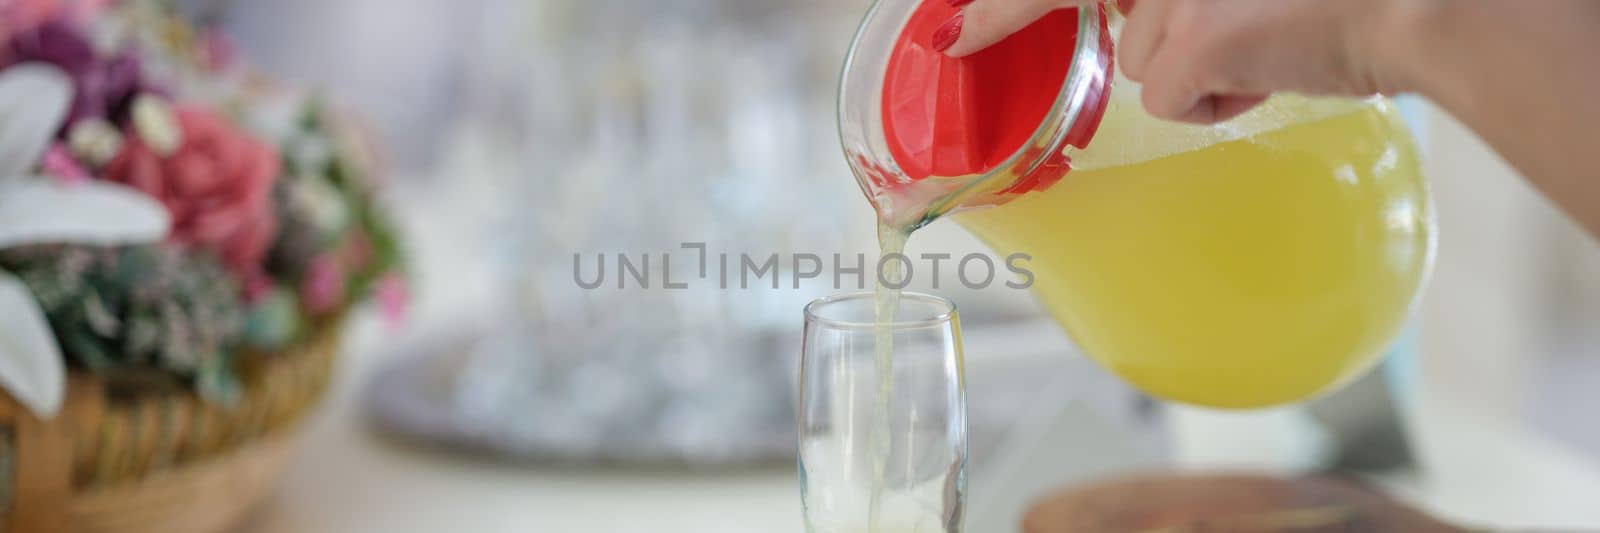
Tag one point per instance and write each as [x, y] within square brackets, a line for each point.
[948, 33]
[958, 3]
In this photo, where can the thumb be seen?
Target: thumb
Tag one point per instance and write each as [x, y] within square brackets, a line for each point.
[986, 22]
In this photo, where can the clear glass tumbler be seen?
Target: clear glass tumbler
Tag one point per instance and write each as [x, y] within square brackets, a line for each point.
[883, 455]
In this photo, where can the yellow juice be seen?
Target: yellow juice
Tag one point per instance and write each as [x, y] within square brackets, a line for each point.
[1253, 272]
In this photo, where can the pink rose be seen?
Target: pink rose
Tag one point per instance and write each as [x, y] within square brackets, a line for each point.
[217, 185]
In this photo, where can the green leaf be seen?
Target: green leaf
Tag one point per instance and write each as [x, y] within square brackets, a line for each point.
[88, 352]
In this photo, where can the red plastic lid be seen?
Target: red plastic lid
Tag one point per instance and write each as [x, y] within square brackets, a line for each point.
[945, 116]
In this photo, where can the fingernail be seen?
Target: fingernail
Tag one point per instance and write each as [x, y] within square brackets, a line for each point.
[958, 3]
[946, 35]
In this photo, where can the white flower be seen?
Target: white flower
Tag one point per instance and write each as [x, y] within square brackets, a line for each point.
[157, 124]
[37, 210]
[95, 140]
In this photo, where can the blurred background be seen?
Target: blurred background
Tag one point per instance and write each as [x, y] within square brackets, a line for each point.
[517, 133]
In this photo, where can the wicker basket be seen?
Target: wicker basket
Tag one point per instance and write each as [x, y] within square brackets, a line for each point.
[157, 462]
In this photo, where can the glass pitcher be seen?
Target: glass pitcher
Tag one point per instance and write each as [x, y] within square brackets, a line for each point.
[1257, 262]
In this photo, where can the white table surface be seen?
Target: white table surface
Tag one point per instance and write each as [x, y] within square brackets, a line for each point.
[345, 480]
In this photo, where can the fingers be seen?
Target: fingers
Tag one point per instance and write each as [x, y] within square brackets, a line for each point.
[1168, 91]
[1225, 108]
[1211, 109]
[1144, 34]
[1181, 83]
[1178, 88]
[985, 22]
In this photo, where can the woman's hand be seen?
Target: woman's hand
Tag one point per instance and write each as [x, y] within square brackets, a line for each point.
[1210, 60]
[1520, 74]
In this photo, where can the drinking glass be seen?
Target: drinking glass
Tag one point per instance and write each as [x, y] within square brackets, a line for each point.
[882, 455]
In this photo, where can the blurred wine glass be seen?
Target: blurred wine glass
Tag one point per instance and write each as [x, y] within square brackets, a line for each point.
[630, 128]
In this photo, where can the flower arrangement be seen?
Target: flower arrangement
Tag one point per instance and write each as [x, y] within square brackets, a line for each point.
[163, 208]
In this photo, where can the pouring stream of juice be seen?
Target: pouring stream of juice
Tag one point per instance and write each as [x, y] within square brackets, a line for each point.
[886, 304]
[1259, 262]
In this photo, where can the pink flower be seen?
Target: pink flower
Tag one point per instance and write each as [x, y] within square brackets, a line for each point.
[58, 162]
[393, 298]
[19, 15]
[87, 9]
[217, 185]
[322, 288]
